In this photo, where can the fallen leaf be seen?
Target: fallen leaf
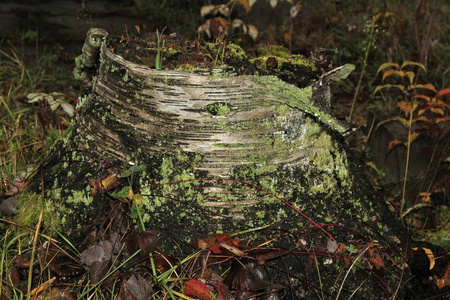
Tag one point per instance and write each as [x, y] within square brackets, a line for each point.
[263, 255]
[377, 261]
[196, 288]
[232, 249]
[9, 206]
[222, 291]
[139, 287]
[429, 254]
[148, 241]
[247, 275]
[332, 246]
[100, 251]
[445, 280]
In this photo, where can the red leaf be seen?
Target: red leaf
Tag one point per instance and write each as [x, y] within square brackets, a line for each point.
[443, 92]
[225, 238]
[377, 262]
[196, 288]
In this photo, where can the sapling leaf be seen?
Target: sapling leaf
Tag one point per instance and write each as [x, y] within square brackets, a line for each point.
[411, 76]
[441, 103]
[443, 119]
[414, 135]
[427, 86]
[388, 86]
[421, 97]
[393, 72]
[405, 106]
[387, 65]
[443, 92]
[413, 63]
[400, 119]
[393, 144]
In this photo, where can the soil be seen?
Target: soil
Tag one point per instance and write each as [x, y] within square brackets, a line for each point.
[200, 56]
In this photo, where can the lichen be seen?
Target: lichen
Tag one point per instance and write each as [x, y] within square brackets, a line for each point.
[288, 94]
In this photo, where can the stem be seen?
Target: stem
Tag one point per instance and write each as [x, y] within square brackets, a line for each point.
[366, 56]
[408, 147]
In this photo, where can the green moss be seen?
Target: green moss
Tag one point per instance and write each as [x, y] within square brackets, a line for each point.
[235, 51]
[274, 50]
[30, 207]
[293, 60]
[287, 94]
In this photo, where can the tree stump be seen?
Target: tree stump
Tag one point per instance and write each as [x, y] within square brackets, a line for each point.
[219, 153]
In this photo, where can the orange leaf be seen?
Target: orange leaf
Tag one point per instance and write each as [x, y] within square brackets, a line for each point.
[429, 254]
[430, 257]
[245, 4]
[414, 135]
[405, 107]
[377, 262]
[223, 22]
[443, 92]
[109, 181]
[447, 159]
[437, 110]
[392, 72]
[393, 144]
[227, 239]
[42, 287]
[427, 86]
[443, 119]
[196, 288]
[440, 103]
[423, 119]
[445, 280]
[401, 120]
[421, 97]
[425, 197]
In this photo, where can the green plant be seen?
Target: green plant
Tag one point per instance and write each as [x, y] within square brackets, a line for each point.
[368, 45]
[423, 112]
[158, 60]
